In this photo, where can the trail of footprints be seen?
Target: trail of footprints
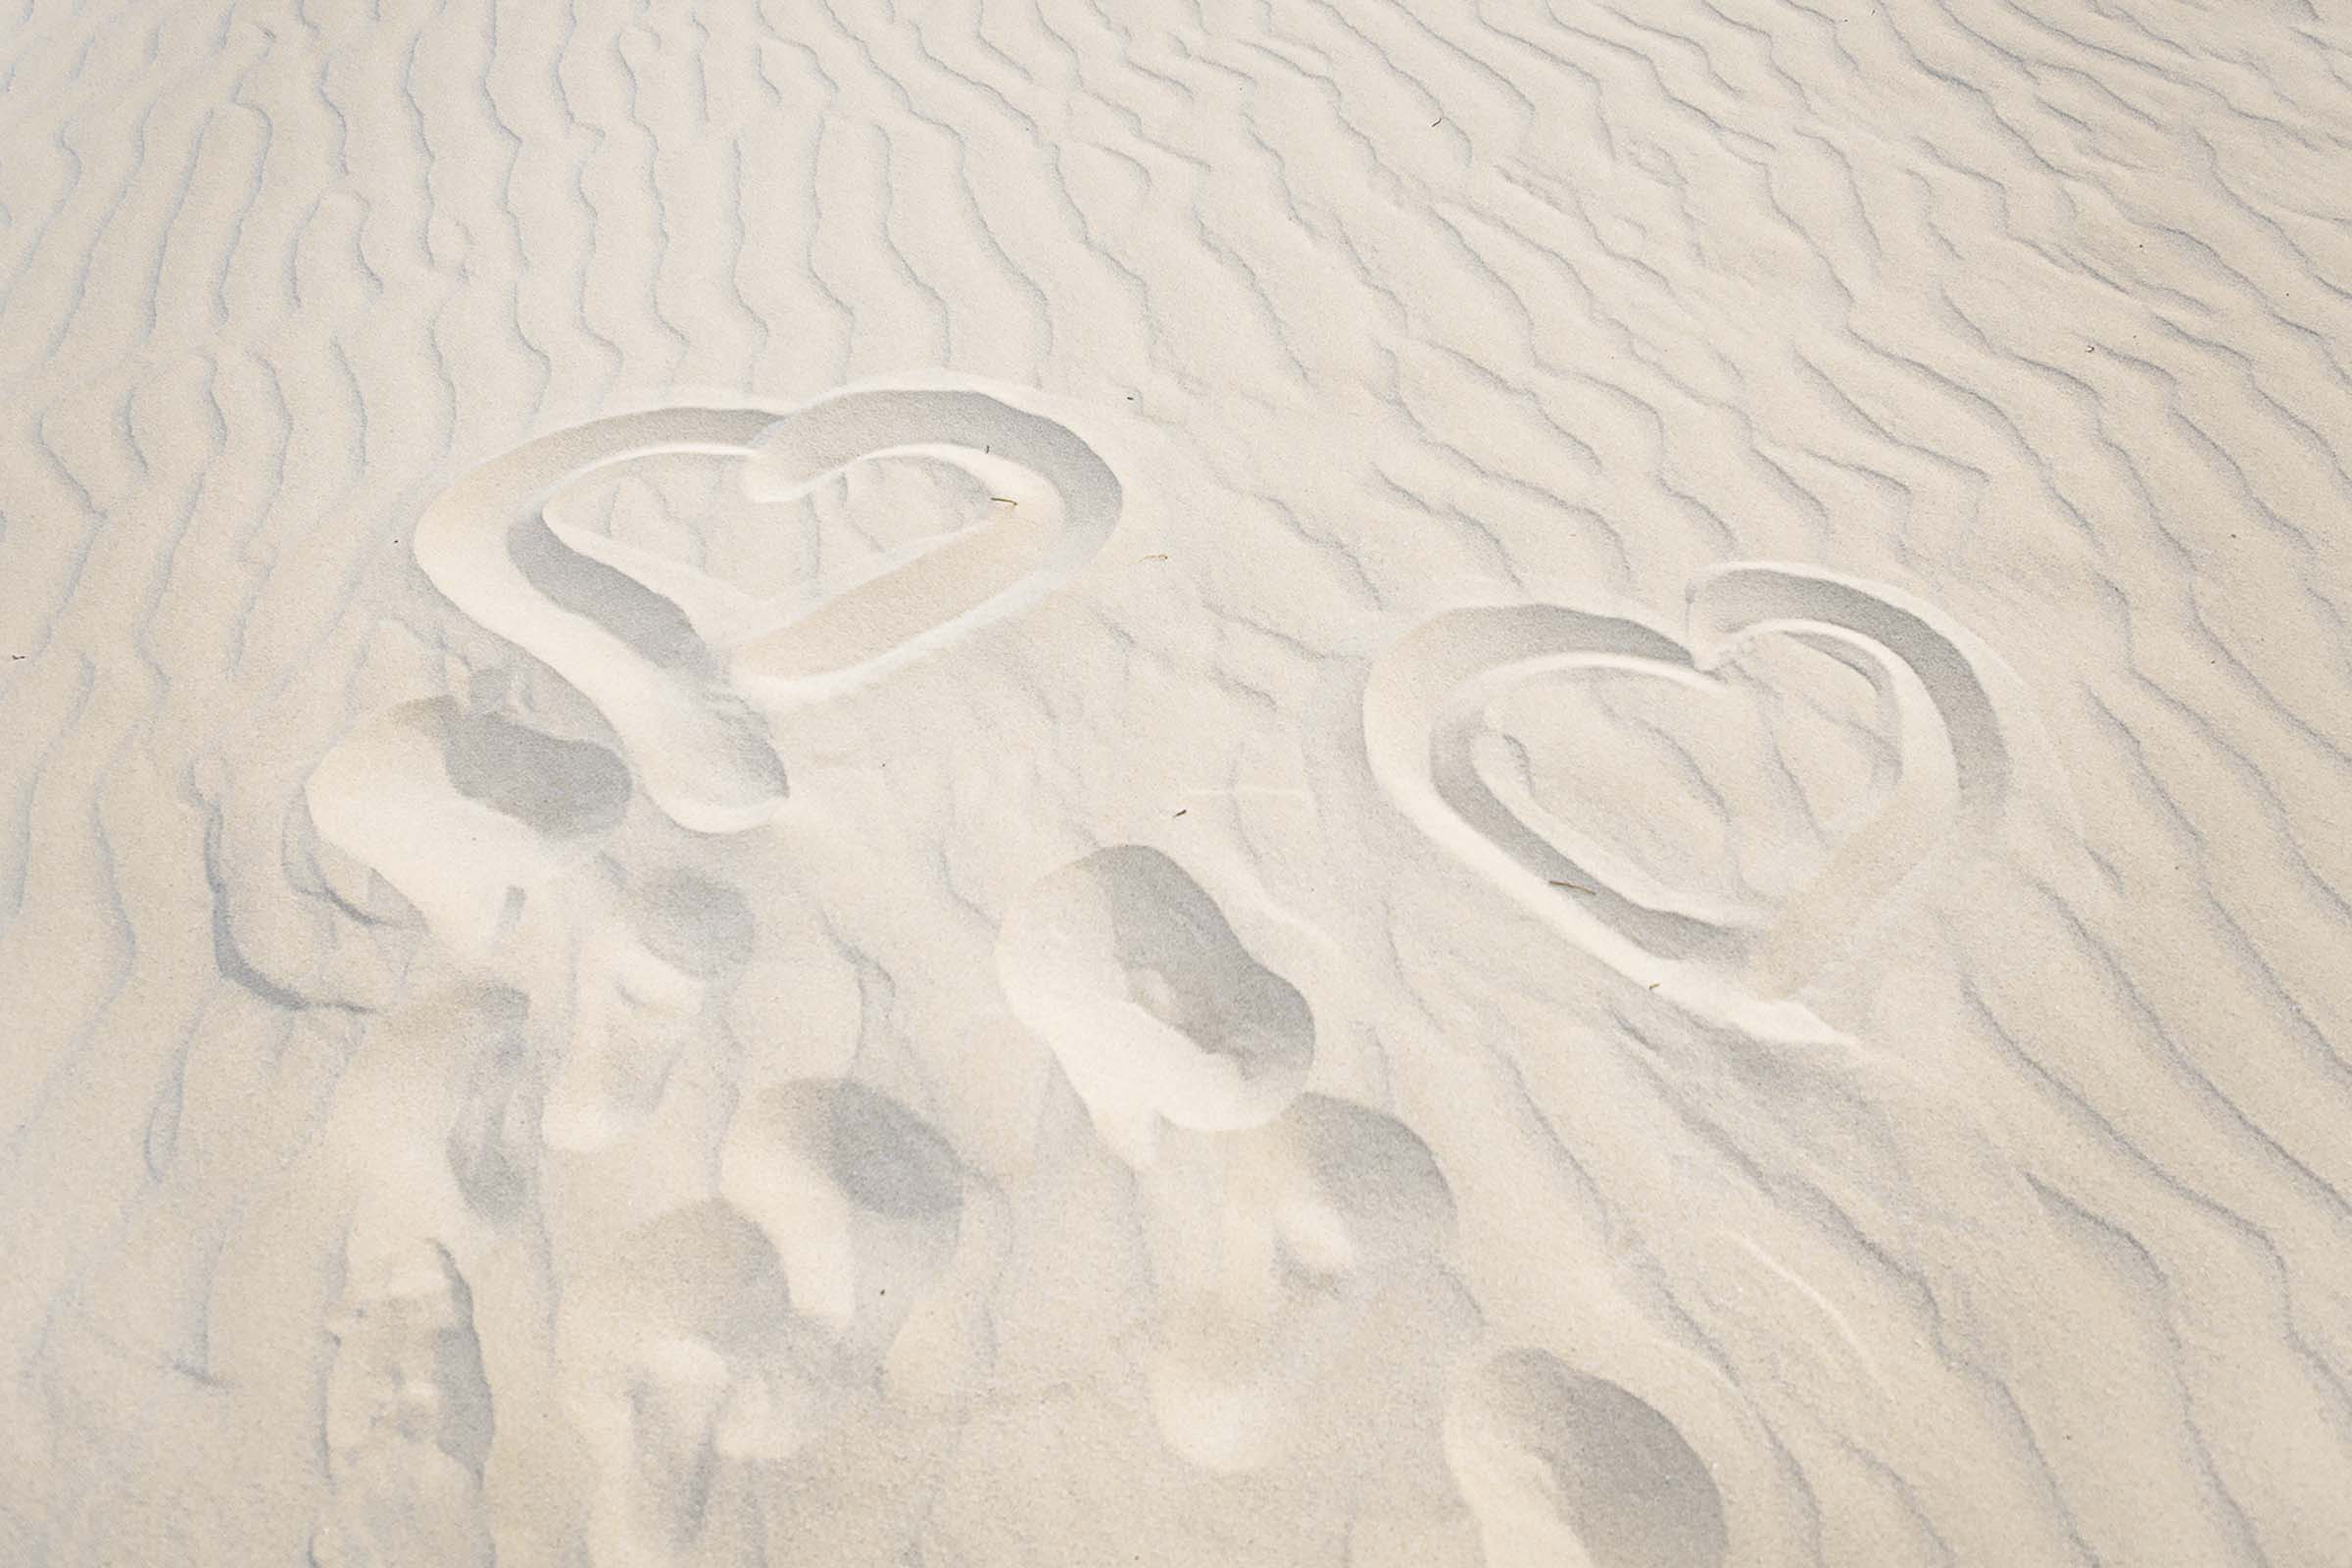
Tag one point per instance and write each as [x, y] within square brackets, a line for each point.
[721, 1317]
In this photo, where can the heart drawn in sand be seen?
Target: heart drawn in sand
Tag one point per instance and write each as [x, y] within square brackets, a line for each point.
[683, 665]
[1426, 704]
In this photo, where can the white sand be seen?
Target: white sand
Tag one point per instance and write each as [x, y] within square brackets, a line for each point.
[1181, 783]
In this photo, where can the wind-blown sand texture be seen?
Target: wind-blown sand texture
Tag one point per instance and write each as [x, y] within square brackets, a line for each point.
[1182, 782]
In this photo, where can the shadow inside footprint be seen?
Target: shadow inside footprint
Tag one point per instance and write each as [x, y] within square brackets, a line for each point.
[1129, 971]
[492, 1143]
[698, 926]
[1561, 1466]
[888, 1162]
[563, 788]
[1363, 1190]
[861, 1198]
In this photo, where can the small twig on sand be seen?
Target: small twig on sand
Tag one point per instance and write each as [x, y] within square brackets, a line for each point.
[1575, 886]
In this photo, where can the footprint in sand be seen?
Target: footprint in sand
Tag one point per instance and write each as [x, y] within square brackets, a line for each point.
[493, 1146]
[860, 1199]
[1956, 721]
[653, 965]
[677, 1351]
[1562, 1468]
[1130, 973]
[737, 1331]
[468, 815]
[409, 1419]
[1285, 1225]
[684, 665]
[1296, 1256]
[463, 813]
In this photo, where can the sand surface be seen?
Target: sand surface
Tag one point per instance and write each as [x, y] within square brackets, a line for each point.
[1176, 782]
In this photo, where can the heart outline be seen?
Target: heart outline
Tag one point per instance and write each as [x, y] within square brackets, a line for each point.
[695, 729]
[1955, 777]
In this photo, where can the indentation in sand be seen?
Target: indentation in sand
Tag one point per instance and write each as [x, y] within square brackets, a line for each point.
[1129, 971]
[409, 1419]
[1289, 1242]
[860, 1199]
[678, 1349]
[462, 812]
[651, 969]
[1565, 1468]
